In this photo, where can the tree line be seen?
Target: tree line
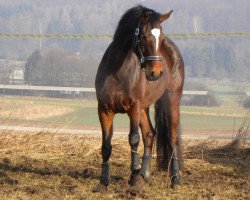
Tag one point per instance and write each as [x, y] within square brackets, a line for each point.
[59, 67]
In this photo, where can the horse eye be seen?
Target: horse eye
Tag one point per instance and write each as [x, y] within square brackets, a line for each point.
[143, 37]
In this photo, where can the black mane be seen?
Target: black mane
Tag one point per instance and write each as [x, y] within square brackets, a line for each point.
[130, 20]
[124, 37]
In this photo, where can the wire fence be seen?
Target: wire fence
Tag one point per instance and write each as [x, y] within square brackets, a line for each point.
[107, 36]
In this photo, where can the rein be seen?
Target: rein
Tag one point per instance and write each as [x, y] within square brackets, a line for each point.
[142, 58]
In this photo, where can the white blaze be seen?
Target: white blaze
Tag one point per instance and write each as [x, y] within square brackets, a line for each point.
[156, 32]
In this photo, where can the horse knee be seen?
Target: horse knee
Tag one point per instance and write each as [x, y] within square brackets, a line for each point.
[134, 139]
[106, 151]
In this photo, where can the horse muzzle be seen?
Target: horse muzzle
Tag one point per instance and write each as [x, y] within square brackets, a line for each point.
[153, 70]
[153, 76]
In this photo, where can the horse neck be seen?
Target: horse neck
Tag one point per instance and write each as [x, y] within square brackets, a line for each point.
[126, 63]
[130, 68]
[122, 50]
[122, 46]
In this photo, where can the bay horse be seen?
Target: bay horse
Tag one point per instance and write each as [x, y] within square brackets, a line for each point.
[141, 67]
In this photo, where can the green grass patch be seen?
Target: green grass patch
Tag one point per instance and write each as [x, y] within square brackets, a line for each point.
[84, 112]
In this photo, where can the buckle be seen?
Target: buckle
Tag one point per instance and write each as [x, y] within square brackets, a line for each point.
[137, 31]
[142, 60]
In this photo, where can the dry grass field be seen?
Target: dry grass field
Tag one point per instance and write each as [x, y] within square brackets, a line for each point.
[64, 166]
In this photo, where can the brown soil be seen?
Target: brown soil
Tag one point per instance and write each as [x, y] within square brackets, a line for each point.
[61, 166]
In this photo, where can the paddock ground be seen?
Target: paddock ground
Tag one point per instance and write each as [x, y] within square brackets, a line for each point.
[67, 166]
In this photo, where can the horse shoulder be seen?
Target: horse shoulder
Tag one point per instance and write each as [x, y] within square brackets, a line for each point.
[119, 86]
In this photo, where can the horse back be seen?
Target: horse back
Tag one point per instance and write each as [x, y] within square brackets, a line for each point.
[175, 65]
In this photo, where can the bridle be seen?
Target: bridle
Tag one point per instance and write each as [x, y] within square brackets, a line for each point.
[142, 58]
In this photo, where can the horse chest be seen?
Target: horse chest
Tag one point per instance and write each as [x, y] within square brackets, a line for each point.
[145, 92]
[121, 103]
[120, 96]
[153, 92]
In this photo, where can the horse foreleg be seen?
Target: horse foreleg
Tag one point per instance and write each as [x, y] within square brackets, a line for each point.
[134, 139]
[106, 120]
[148, 140]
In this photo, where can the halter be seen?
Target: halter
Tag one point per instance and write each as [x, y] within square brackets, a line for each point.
[142, 58]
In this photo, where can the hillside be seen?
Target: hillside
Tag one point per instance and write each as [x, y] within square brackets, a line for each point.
[215, 58]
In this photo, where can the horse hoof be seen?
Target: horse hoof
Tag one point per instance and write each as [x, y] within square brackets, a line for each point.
[137, 180]
[175, 183]
[138, 185]
[100, 188]
[174, 186]
[131, 181]
[133, 176]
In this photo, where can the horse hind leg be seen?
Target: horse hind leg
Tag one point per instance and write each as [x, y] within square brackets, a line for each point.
[148, 134]
[168, 140]
[174, 140]
[106, 120]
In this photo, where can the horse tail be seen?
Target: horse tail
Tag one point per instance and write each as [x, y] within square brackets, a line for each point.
[162, 128]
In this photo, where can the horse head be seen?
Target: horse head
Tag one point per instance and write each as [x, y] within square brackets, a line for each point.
[148, 40]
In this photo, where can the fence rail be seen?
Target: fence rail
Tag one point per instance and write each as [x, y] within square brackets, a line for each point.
[47, 88]
[92, 90]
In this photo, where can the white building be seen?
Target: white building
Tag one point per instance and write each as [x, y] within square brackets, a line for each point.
[17, 76]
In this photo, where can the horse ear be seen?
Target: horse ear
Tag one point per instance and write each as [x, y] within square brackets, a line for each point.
[145, 17]
[165, 16]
